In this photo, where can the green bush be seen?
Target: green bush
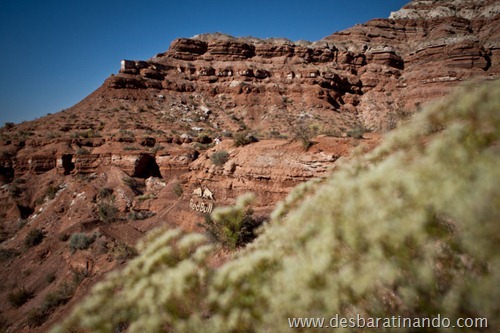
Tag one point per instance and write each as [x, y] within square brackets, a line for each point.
[177, 189]
[80, 241]
[409, 229]
[64, 237]
[51, 192]
[65, 291]
[105, 192]
[145, 197]
[135, 215]
[50, 277]
[36, 317]
[243, 139]
[233, 226]
[60, 296]
[107, 211]
[219, 157]
[303, 131]
[123, 252]
[357, 132]
[129, 181]
[204, 139]
[33, 238]
[169, 266]
[19, 296]
[6, 254]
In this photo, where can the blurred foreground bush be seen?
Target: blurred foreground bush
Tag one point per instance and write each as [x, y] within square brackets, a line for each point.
[410, 229]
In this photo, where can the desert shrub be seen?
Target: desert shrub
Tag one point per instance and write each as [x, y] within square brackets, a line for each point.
[9, 125]
[145, 197]
[171, 259]
[52, 135]
[64, 237]
[156, 149]
[219, 157]
[89, 134]
[203, 146]
[129, 181]
[303, 131]
[107, 211]
[77, 276]
[33, 238]
[36, 317]
[58, 297]
[19, 296]
[232, 226]
[127, 136]
[21, 223]
[332, 131]
[105, 192]
[177, 189]
[80, 241]
[6, 254]
[136, 215]
[65, 291]
[203, 138]
[51, 192]
[50, 277]
[275, 134]
[357, 132]
[123, 252]
[409, 229]
[243, 139]
[82, 151]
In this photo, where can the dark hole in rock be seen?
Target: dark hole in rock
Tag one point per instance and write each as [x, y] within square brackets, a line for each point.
[6, 174]
[67, 163]
[25, 211]
[145, 167]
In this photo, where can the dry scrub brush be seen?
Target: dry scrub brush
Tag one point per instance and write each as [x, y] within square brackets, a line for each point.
[410, 229]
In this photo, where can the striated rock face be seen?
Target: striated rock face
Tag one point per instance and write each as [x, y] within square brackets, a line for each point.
[435, 45]
[466, 9]
[370, 75]
[155, 118]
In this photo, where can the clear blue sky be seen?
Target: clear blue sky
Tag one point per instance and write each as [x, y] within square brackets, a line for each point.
[55, 52]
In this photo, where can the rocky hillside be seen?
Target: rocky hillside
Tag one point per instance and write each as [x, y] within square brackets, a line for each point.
[209, 119]
[406, 232]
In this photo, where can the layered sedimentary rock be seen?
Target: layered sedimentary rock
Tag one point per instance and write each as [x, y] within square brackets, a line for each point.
[376, 70]
[367, 76]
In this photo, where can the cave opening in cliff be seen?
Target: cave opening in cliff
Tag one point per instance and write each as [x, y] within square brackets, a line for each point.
[25, 211]
[67, 163]
[145, 167]
[6, 174]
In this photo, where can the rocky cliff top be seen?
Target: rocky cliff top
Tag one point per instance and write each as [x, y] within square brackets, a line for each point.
[431, 9]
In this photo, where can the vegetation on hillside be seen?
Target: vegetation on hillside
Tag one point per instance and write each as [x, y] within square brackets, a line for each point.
[410, 229]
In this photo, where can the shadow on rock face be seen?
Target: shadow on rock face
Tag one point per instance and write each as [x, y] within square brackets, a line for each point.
[67, 163]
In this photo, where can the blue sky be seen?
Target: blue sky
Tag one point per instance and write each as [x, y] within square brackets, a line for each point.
[56, 52]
